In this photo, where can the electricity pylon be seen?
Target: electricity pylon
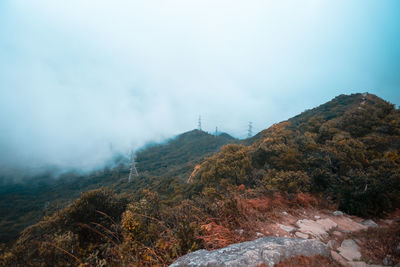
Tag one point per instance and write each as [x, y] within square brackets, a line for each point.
[133, 171]
[199, 123]
[250, 131]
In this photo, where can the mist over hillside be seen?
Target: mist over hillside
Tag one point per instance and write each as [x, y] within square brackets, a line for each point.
[342, 154]
[72, 82]
[135, 132]
[39, 194]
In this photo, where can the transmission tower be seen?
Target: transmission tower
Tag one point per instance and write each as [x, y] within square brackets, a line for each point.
[111, 146]
[250, 131]
[199, 123]
[216, 131]
[133, 171]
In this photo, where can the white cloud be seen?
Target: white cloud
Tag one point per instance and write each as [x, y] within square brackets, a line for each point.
[77, 75]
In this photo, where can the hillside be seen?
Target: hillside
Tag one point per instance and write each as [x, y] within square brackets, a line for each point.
[346, 149]
[26, 202]
[341, 155]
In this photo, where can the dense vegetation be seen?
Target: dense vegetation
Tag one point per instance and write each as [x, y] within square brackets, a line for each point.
[345, 151]
[161, 168]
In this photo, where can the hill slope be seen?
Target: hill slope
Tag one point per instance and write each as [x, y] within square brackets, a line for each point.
[343, 154]
[347, 149]
[25, 203]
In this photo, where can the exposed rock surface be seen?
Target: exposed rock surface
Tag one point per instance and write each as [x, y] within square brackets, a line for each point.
[347, 225]
[301, 235]
[332, 244]
[272, 250]
[286, 228]
[369, 223]
[338, 213]
[267, 250]
[316, 228]
[350, 250]
[387, 261]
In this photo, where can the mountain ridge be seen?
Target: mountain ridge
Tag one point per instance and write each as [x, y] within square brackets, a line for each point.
[342, 154]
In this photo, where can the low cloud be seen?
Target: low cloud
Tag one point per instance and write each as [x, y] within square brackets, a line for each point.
[80, 77]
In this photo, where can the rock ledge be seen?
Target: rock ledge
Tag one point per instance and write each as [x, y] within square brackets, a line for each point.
[268, 250]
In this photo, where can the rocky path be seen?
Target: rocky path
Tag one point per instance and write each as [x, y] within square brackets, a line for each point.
[313, 233]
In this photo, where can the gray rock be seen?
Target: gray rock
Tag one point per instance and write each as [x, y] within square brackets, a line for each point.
[301, 235]
[328, 224]
[337, 233]
[285, 213]
[286, 228]
[398, 248]
[332, 244]
[338, 213]
[239, 231]
[268, 250]
[350, 250]
[387, 261]
[369, 223]
[316, 228]
[317, 217]
[348, 225]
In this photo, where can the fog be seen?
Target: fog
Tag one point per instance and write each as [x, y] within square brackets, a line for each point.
[81, 80]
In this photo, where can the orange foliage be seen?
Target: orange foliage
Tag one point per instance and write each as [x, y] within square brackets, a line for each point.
[241, 187]
[305, 200]
[217, 236]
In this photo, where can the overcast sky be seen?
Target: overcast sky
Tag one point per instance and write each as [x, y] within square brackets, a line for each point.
[78, 75]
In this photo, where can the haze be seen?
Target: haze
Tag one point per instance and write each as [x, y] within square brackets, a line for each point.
[80, 80]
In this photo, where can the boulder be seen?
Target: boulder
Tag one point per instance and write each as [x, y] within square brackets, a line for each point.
[316, 228]
[328, 224]
[301, 235]
[267, 250]
[350, 250]
[332, 244]
[387, 261]
[286, 228]
[347, 225]
[369, 223]
[337, 233]
[338, 213]
[239, 231]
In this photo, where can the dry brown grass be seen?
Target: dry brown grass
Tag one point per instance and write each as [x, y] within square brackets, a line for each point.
[217, 236]
[305, 200]
[377, 243]
[252, 215]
